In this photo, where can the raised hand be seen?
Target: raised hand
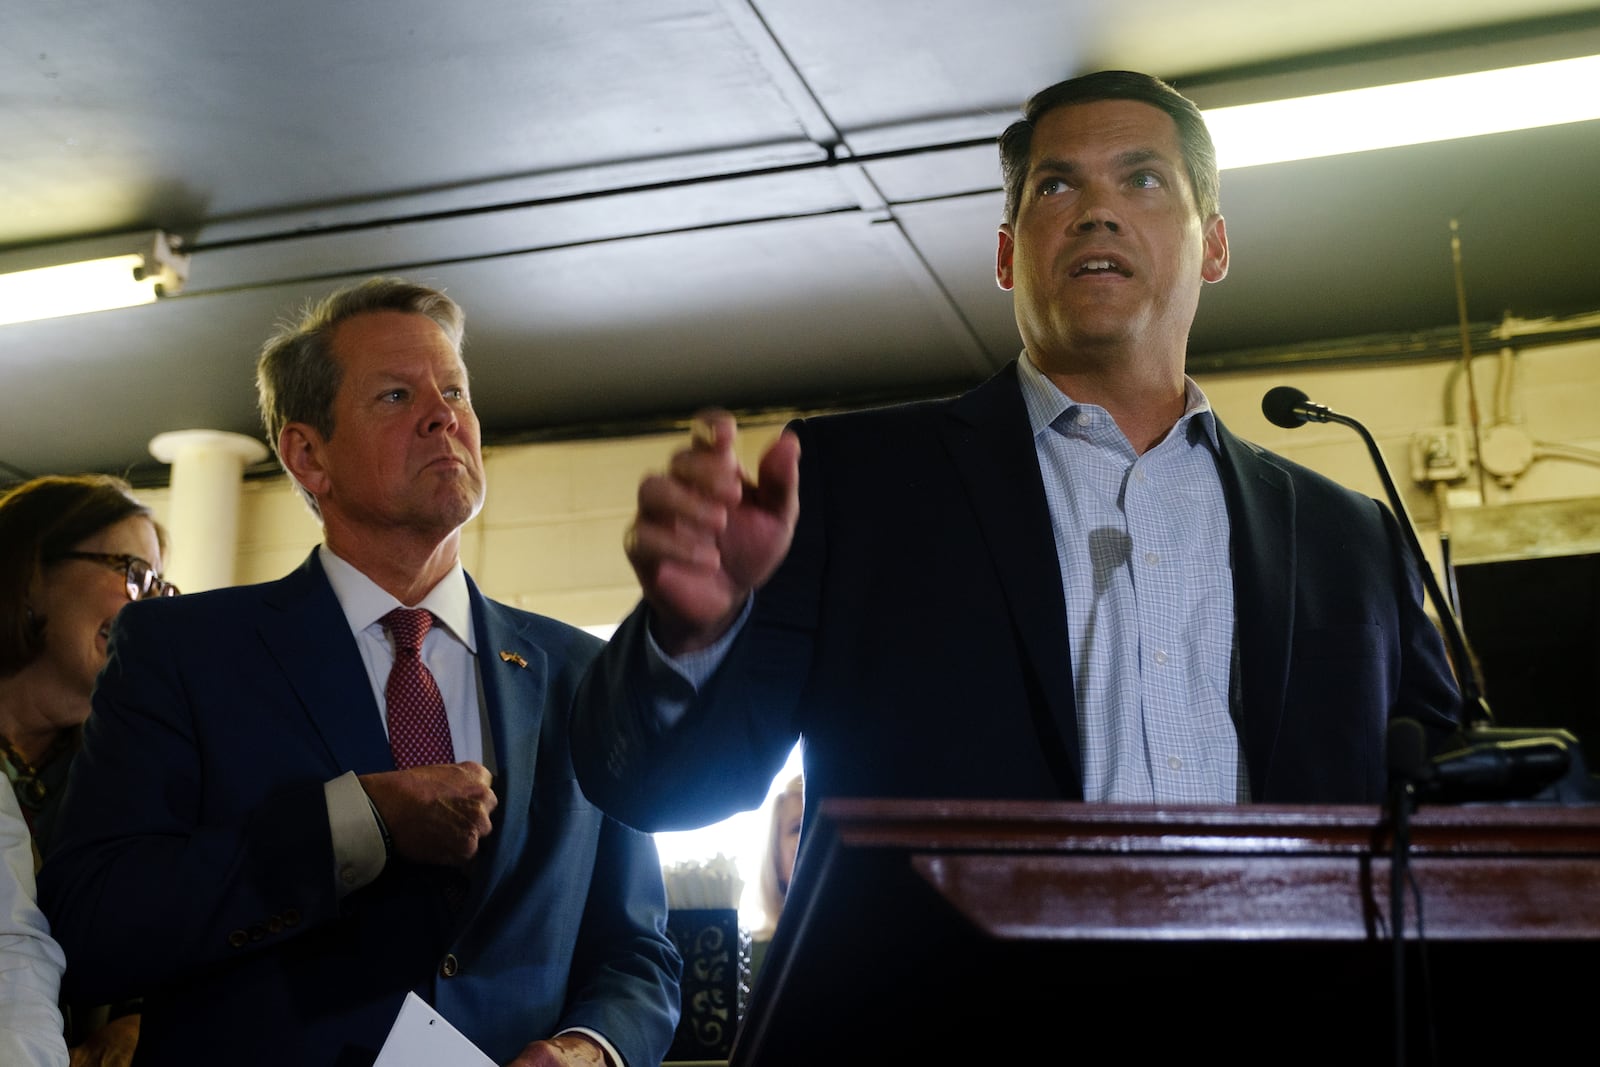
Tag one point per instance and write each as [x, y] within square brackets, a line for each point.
[706, 535]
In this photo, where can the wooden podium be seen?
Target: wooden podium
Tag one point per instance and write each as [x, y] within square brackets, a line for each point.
[977, 931]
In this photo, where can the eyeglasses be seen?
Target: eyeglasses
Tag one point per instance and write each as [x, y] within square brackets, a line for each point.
[142, 580]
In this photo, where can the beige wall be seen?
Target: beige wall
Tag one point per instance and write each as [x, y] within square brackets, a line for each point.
[550, 536]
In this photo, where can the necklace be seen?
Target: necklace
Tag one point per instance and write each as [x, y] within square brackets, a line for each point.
[31, 782]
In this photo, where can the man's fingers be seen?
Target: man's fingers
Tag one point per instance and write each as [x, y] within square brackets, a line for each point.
[473, 819]
[475, 798]
[715, 475]
[668, 500]
[436, 813]
[713, 429]
[654, 546]
[477, 773]
[778, 490]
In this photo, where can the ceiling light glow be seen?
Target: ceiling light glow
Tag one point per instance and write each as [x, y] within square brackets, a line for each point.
[1388, 116]
[98, 283]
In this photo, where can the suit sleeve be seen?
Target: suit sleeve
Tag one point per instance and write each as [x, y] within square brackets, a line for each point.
[625, 970]
[154, 874]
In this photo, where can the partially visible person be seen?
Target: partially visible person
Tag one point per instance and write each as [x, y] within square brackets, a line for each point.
[777, 864]
[299, 801]
[783, 843]
[30, 960]
[74, 551]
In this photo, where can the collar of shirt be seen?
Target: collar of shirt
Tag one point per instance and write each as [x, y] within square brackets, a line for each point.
[364, 602]
[1046, 403]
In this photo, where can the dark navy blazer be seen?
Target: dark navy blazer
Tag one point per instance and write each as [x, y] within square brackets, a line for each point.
[915, 636]
[194, 863]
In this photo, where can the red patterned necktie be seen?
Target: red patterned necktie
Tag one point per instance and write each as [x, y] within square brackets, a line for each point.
[419, 733]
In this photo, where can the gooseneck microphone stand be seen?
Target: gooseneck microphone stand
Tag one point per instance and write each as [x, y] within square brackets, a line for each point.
[1539, 760]
[1288, 407]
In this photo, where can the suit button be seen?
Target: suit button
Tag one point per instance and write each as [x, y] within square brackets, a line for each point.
[291, 917]
[238, 938]
[450, 966]
[258, 931]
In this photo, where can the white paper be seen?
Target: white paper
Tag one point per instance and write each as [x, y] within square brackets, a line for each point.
[421, 1037]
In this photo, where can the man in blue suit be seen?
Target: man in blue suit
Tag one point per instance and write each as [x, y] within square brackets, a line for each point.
[247, 840]
[1070, 583]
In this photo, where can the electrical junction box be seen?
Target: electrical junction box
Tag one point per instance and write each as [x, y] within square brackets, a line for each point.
[1438, 455]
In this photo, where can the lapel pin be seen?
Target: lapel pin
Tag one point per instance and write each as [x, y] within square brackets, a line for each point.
[508, 656]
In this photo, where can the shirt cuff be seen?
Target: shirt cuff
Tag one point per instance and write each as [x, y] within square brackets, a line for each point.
[358, 846]
[676, 679]
[613, 1058]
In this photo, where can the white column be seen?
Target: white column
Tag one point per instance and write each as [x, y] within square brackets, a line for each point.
[203, 513]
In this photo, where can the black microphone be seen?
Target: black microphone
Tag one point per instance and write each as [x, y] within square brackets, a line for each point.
[1492, 763]
[1288, 407]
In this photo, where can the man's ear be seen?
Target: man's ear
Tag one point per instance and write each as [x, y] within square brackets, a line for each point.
[300, 450]
[1002, 257]
[1214, 267]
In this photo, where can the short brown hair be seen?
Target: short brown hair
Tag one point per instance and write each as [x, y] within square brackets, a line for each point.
[297, 376]
[40, 521]
[1199, 153]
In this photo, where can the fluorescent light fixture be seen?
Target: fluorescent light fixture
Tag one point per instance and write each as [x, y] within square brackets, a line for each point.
[86, 276]
[1387, 116]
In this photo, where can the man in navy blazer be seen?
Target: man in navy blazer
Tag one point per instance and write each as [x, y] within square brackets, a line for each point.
[237, 844]
[1070, 583]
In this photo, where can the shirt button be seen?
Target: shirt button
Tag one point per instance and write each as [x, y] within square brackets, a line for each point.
[1160, 658]
[1151, 558]
[450, 966]
[1138, 474]
[1175, 763]
[347, 875]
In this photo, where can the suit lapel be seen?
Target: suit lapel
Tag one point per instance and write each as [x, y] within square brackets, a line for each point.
[304, 630]
[1261, 513]
[990, 443]
[514, 685]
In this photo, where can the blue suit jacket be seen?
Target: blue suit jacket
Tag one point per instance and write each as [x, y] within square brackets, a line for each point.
[915, 635]
[194, 863]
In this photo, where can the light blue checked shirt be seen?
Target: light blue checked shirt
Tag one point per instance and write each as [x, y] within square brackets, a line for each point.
[1143, 544]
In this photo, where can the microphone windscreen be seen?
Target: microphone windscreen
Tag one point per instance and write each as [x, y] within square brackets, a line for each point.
[1407, 752]
[1279, 406]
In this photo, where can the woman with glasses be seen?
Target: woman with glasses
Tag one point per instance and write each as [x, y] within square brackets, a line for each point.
[73, 552]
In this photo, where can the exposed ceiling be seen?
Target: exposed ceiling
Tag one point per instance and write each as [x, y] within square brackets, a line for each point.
[650, 205]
